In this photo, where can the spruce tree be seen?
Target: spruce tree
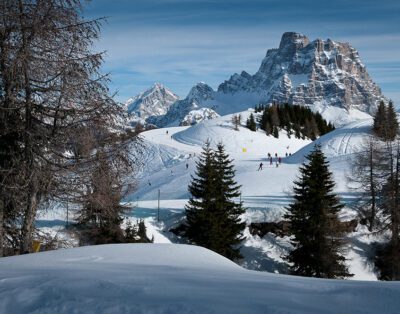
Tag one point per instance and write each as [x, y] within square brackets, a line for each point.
[391, 122]
[202, 190]
[213, 218]
[314, 222]
[251, 123]
[380, 121]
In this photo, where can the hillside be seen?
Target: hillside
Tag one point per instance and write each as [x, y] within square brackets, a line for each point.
[162, 278]
[265, 193]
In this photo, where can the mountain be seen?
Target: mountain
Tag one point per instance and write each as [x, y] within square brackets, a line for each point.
[319, 74]
[327, 76]
[153, 102]
[197, 96]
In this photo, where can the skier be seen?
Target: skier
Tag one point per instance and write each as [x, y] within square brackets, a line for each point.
[280, 160]
[187, 166]
[167, 132]
[260, 167]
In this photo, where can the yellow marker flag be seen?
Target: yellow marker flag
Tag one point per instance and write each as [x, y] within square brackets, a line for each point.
[36, 246]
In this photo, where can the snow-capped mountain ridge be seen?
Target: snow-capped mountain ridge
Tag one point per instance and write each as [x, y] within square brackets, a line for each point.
[305, 73]
[326, 75]
[154, 101]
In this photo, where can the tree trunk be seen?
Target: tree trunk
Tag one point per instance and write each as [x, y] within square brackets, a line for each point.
[29, 218]
[1, 228]
[372, 189]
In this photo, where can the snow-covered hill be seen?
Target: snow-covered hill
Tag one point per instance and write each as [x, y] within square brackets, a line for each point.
[265, 193]
[162, 278]
[170, 156]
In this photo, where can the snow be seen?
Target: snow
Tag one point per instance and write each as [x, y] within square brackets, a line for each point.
[170, 278]
[264, 193]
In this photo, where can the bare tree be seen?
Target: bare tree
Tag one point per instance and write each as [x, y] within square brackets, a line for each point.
[236, 120]
[368, 175]
[51, 90]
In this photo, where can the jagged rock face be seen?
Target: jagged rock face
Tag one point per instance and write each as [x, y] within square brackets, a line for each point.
[308, 73]
[199, 94]
[327, 76]
[199, 115]
[153, 102]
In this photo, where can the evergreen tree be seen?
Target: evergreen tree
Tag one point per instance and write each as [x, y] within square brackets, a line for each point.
[251, 123]
[380, 121]
[392, 124]
[275, 132]
[213, 218]
[314, 222]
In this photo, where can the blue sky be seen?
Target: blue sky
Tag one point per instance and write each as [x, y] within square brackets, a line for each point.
[182, 42]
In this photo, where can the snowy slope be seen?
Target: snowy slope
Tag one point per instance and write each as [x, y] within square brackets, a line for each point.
[162, 278]
[170, 157]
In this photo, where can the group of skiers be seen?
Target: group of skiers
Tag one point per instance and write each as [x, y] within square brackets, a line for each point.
[278, 161]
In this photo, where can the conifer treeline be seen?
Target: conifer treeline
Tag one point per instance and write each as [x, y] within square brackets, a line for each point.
[386, 125]
[297, 120]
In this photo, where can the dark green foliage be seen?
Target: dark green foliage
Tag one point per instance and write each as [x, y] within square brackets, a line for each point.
[387, 261]
[314, 223]
[251, 123]
[136, 233]
[275, 132]
[386, 125]
[213, 218]
[297, 120]
[392, 123]
[380, 120]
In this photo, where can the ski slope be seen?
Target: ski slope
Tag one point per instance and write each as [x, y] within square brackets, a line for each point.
[167, 278]
[170, 156]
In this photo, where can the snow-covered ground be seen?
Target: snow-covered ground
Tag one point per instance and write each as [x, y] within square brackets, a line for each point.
[171, 278]
[170, 157]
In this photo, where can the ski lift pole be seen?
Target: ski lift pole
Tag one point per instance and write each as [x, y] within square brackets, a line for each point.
[66, 225]
[158, 207]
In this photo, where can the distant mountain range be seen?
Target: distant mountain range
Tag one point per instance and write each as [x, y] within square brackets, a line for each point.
[327, 76]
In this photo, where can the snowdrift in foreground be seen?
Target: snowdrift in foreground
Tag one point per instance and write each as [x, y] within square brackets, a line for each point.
[167, 278]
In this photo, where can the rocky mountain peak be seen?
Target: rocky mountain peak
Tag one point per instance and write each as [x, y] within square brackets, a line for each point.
[292, 41]
[154, 101]
[200, 92]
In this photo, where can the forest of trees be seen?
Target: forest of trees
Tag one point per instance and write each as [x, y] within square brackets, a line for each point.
[212, 216]
[295, 120]
[58, 125]
[376, 173]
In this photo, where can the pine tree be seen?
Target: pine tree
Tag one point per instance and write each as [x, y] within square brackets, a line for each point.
[251, 123]
[380, 121]
[314, 223]
[275, 132]
[392, 124]
[213, 218]
[202, 190]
